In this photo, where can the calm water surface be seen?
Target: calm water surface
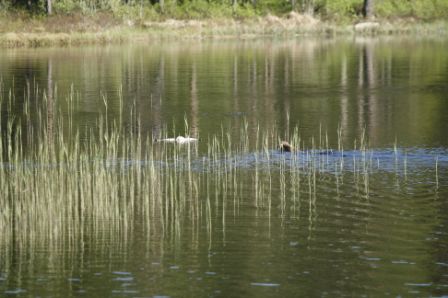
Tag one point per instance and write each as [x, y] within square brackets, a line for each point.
[338, 243]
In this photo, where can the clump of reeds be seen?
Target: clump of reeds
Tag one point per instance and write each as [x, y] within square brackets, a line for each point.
[57, 180]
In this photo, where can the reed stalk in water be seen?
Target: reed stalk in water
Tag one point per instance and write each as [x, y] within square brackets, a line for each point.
[437, 172]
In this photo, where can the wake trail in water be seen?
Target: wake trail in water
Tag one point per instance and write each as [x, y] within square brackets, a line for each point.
[402, 160]
[389, 160]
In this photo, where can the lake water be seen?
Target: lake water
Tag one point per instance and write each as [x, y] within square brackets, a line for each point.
[375, 232]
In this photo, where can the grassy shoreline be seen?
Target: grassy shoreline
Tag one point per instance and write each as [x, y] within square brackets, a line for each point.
[83, 30]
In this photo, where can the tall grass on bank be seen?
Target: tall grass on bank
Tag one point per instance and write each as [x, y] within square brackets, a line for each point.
[58, 181]
[85, 30]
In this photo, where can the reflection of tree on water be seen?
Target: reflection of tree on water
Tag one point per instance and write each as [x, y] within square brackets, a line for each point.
[367, 105]
[194, 129]
[159, 91]
[344, 96]
[236, 100]
[50, 100]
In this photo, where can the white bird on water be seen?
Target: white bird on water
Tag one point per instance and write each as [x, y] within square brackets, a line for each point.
[179, 140]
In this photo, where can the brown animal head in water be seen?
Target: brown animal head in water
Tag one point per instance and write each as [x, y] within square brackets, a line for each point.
[285, 147]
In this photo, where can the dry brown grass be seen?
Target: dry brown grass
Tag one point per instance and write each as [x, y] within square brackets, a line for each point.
[102, 28]
[66, 23]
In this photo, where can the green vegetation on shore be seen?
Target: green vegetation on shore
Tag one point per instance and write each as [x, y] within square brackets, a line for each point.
[200, 9]
[74, 22]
